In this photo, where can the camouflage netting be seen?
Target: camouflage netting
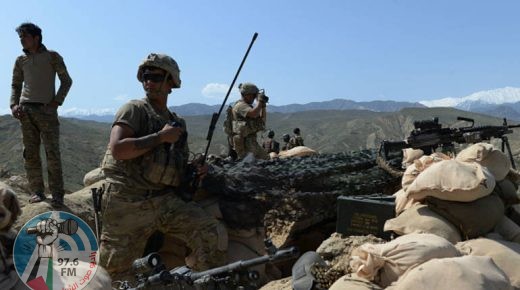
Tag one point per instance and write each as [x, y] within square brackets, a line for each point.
[290, 195]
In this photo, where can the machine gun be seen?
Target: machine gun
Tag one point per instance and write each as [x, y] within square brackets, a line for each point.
[429, 135]
[236, 275]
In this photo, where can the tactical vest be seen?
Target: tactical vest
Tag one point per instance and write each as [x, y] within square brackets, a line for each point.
[246, 126]
[162, 166]
[268, 145]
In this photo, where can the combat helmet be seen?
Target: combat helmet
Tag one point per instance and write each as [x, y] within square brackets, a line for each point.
[248, 89]
[164, 62]
[270, 133]
[286, 137]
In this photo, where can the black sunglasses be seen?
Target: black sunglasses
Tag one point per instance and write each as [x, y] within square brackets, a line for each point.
[153, 77]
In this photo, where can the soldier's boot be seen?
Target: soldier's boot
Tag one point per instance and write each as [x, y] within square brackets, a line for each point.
[37, 197]
[57, 200]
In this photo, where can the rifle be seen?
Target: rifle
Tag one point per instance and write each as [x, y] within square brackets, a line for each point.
[428, 135]
[235, 275]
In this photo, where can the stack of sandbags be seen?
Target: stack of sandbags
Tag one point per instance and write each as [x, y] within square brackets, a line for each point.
[444, 199]
[385, 263]
[457, 193]
[453, 200]
[460, 273]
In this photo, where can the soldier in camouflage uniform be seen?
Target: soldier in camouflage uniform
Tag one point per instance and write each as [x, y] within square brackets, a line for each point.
[297, 139]
[35, 103]
[287, 142]
[270, 145]
[146, 161]
[248, 120]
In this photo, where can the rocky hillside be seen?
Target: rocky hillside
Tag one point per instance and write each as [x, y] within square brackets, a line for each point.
[84, 142]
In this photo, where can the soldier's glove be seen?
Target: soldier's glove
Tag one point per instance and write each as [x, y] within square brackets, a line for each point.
[262, 98]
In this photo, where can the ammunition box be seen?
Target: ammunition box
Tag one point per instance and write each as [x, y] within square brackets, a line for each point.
[364, 215]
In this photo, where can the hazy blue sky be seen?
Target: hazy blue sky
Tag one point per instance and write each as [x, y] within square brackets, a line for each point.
[306, 50]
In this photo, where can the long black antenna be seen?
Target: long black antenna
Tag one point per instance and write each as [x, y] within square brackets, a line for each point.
[215, 116]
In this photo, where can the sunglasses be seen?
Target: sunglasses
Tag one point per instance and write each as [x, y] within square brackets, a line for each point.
[153, 77]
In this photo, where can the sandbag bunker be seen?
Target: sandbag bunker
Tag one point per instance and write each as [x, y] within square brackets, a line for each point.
[456, 227]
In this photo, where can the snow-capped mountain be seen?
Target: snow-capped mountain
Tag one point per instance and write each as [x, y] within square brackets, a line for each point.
[503, 102]
[495, 97]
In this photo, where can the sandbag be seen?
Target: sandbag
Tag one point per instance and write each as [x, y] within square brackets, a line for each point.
[452, 180]
[402, 203]
[506, 190]
[385, 263]
[298, 151]
[508, 229]
[513, 213]
[420, 219]
[93, 176]
[506, 255]
[487, 155]
[419, 165]
[467, 216]
[248, 244]
[354, 283]
[460, 273]
[409, 155]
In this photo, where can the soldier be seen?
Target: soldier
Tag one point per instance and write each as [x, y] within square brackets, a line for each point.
[297, 139]
[270, 145]
[35, 103]
[287, 145]
[248, 120]
[146, 160]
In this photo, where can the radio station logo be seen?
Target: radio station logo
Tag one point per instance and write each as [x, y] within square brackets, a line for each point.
[56, 251]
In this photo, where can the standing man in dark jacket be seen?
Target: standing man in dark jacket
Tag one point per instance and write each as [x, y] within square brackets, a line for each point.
[35, 103]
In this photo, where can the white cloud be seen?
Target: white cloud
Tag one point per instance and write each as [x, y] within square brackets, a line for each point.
[218, 91]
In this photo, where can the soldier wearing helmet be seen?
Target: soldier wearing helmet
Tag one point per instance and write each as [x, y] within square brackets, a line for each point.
[248, 119]
[145, 163]
[286, 139]
[271, 145]
[296, 139]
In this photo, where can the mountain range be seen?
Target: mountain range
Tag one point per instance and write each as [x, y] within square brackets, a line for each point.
[83, 143]
[503, 103]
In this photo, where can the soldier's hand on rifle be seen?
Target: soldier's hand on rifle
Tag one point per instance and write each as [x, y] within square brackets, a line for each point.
[201, 167]
[202, 170]
[170, 134]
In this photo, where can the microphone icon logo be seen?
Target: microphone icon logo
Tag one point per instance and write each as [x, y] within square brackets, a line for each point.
[56, 250]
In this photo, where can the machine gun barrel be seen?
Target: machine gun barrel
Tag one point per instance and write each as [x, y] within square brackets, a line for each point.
[428, 135]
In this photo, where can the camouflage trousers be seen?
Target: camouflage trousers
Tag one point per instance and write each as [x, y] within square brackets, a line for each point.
[40, 124]
[128, 223]
[244, 145]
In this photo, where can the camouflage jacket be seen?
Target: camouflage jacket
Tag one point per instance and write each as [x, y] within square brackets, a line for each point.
[34, 75]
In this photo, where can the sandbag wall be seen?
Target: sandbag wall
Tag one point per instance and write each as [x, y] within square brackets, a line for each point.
[456, 225]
